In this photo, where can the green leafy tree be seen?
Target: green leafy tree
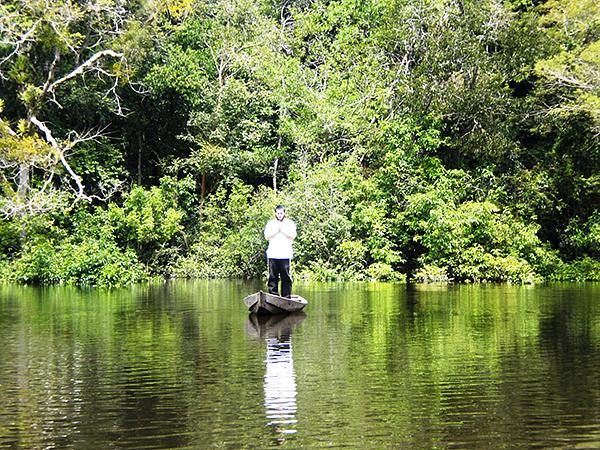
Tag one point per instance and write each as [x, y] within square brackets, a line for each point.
[556, 181]
[209, 64]
[149, 219]
[47, 48]
[229, 240]
[573, 71]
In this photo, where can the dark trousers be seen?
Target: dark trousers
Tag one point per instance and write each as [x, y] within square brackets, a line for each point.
[280, 268]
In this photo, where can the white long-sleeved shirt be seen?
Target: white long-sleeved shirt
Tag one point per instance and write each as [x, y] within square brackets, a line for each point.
[280, 245]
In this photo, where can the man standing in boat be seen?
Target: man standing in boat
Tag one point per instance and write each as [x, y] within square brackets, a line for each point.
[280, 232]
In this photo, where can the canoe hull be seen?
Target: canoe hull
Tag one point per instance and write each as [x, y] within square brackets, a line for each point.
[265, 303]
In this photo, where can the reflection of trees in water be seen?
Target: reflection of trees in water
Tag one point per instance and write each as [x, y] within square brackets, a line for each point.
[280, 378]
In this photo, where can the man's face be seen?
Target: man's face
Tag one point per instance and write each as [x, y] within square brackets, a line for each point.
[280, 214]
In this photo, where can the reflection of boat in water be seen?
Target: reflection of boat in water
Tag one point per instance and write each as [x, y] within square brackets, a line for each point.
[273, 325]
[280, 378]
[264, 303]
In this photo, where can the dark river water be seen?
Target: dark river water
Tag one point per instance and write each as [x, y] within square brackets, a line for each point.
[368, 365]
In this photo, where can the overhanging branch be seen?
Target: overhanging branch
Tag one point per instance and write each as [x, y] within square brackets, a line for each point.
[81, 69]
[54, 143]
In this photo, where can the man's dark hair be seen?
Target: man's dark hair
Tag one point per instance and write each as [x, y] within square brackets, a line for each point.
[279, 207]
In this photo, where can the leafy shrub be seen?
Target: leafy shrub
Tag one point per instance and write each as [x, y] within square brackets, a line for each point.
[38, 264]
[321, 200]
[431, 274]
[9, 237]
[584, 269]
[379, 271]
[583, 238]
[375, 230]
[229, 242]
[471, 240]
[74, 261]
[148, 217]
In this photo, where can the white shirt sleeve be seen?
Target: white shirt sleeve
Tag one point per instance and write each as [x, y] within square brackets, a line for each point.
[270, 228]
[289, 228]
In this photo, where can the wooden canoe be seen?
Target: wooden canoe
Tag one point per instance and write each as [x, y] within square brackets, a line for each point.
[264, 303]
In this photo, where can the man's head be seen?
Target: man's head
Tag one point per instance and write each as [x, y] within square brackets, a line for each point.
[279, 212]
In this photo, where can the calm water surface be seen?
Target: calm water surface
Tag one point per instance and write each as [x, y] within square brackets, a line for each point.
[365, 366]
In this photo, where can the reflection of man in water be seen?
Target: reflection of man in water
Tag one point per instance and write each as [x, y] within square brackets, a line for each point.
[280, 232]
[280, 385]
[280, 378]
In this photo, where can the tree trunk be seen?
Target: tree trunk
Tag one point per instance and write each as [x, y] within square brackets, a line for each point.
[23, 181]
[22, 198]
[139, 161]
[203, 188]
[275, 164]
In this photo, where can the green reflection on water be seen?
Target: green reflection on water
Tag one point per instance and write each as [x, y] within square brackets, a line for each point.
[373, 364]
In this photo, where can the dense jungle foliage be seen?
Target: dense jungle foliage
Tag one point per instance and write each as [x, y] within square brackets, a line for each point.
[422, 140]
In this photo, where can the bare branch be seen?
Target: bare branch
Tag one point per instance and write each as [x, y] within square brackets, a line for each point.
[52, 70]
[108, 192]
[24, 38]
[10, 207]
[81, 69]
[37, 196]
[113, 90]
[66, 41]
[50, 138]
[77, 138]
[568, 80]
[141, 91]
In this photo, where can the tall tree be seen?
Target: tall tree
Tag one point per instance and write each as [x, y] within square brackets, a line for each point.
[573, 71]
[209, 64]
[49, 50]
